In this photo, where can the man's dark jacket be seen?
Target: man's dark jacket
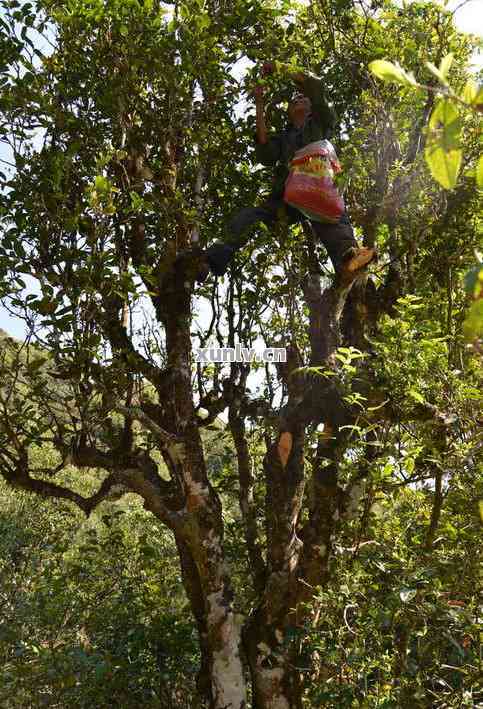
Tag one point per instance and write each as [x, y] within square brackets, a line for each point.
[280, 148]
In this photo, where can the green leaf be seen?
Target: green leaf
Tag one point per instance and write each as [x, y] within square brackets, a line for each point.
[409, 465]
[416, 396]
[446, 116]
[479, 172]
[445, 65]
[470, 91]
[203, 22]
[444, 165]
[388, 470]
[101, 183]
[407, 594]
[437, 73]
[473, 281]
[387, 71]
[473, 324]
[442, 153]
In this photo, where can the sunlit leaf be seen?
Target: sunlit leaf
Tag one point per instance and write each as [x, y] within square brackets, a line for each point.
[392, 72]
[470, 91]
[442, 153]
[444, 165]
[478, 97]
[473, 324]
[437, 73]
[479, 172]
[416, 396]
[446, 115]
[445, 65]
[407, 594]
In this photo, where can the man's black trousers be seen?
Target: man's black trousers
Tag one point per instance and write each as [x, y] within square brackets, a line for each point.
[338, 239]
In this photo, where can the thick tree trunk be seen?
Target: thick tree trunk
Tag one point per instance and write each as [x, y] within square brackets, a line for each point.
[221, 681]
[268, 635]
[297, 555]
[192, 585]
[199, 530]
[275, 682]
[227, 676]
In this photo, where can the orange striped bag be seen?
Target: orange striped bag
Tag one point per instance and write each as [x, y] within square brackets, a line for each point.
[310, 184]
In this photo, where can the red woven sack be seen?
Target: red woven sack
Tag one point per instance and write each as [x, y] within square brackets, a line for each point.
[310, 185]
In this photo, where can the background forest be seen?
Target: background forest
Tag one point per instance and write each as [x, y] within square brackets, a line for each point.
[233, 535]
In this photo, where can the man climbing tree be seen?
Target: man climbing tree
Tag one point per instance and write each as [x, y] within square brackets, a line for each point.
[310, 119]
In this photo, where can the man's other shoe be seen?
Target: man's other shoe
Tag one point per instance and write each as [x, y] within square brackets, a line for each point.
[203, 270]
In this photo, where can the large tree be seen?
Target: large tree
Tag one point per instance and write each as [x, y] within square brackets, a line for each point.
[124, 129]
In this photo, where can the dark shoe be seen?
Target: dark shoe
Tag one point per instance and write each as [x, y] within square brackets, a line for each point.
[214, 260]
[203, 271]
[219, 256]
[192, 264]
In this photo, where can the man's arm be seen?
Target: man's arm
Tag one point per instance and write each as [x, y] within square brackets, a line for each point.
[267, 149]
[313, 87]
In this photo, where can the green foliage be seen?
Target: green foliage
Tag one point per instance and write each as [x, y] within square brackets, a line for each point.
[392, 72]
[134, 107]
[473, 325]
[401, 628]
[89, 615]
[443, 152]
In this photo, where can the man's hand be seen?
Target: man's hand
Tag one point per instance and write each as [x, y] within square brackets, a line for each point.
[267, 68]
[258, 93]
[297, 75]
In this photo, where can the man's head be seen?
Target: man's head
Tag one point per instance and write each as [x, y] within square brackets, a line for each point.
[299, 108]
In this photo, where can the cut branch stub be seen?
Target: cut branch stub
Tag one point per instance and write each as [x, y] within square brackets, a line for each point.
[327, 433]
[284, 447]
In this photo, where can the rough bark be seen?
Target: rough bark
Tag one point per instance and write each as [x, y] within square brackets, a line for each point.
[201, 532]
[435, 511]
[246, 501]
[438, 497]
[297, 556]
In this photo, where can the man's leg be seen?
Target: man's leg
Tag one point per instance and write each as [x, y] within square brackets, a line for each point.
[339, 241]
[346, 256]
[239, 232]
